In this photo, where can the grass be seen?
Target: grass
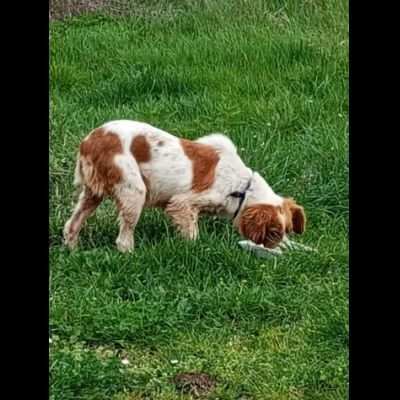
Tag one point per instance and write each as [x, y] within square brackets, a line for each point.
[273, 76]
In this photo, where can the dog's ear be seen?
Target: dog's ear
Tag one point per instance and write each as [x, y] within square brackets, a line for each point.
[298, 219]
[261, 224]
[295, 217]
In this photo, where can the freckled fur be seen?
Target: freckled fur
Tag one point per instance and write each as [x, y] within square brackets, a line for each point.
[184, 216]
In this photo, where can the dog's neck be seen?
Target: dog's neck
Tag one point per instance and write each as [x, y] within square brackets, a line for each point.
[241, 196]
[258, 192]
[261, 192]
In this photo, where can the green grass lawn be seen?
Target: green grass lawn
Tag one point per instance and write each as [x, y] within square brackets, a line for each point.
[273, 76]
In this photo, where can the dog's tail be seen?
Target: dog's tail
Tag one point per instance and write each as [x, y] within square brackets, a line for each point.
[219, 141]
[86, 175]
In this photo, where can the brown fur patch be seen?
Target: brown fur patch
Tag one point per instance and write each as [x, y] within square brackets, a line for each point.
[295, 217]
[204, 159]
[261, 224]
[97, 165]
[140, 149]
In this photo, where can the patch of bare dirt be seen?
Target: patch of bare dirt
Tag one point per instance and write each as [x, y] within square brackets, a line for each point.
[194, 383]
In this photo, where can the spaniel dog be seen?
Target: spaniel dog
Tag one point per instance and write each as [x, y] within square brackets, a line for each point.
[138, 165]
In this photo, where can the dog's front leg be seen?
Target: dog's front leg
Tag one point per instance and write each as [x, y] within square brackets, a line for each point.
[184, 216]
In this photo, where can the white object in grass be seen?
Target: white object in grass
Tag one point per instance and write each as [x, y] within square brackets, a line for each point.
[290, 244]
[262, 251]
[259, 249]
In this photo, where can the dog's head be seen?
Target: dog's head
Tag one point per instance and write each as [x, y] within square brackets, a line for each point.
[267, 224]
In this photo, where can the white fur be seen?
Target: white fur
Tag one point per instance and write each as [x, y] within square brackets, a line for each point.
[169, 171]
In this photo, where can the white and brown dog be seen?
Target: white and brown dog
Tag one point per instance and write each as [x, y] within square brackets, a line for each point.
[140, 166]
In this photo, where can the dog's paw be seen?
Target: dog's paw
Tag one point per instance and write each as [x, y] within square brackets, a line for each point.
[71, 244]
[125, 245]
[70, 238]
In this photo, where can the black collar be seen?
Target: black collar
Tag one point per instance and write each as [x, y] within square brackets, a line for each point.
[241, 196]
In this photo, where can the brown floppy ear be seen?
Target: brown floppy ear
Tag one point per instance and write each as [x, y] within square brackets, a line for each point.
[295, 217]
[298, 219]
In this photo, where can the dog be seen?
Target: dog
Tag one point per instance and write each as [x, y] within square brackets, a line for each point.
[139, 166]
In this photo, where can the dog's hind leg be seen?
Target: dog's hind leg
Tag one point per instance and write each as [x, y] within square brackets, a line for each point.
[129, 196]
[86, 205]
